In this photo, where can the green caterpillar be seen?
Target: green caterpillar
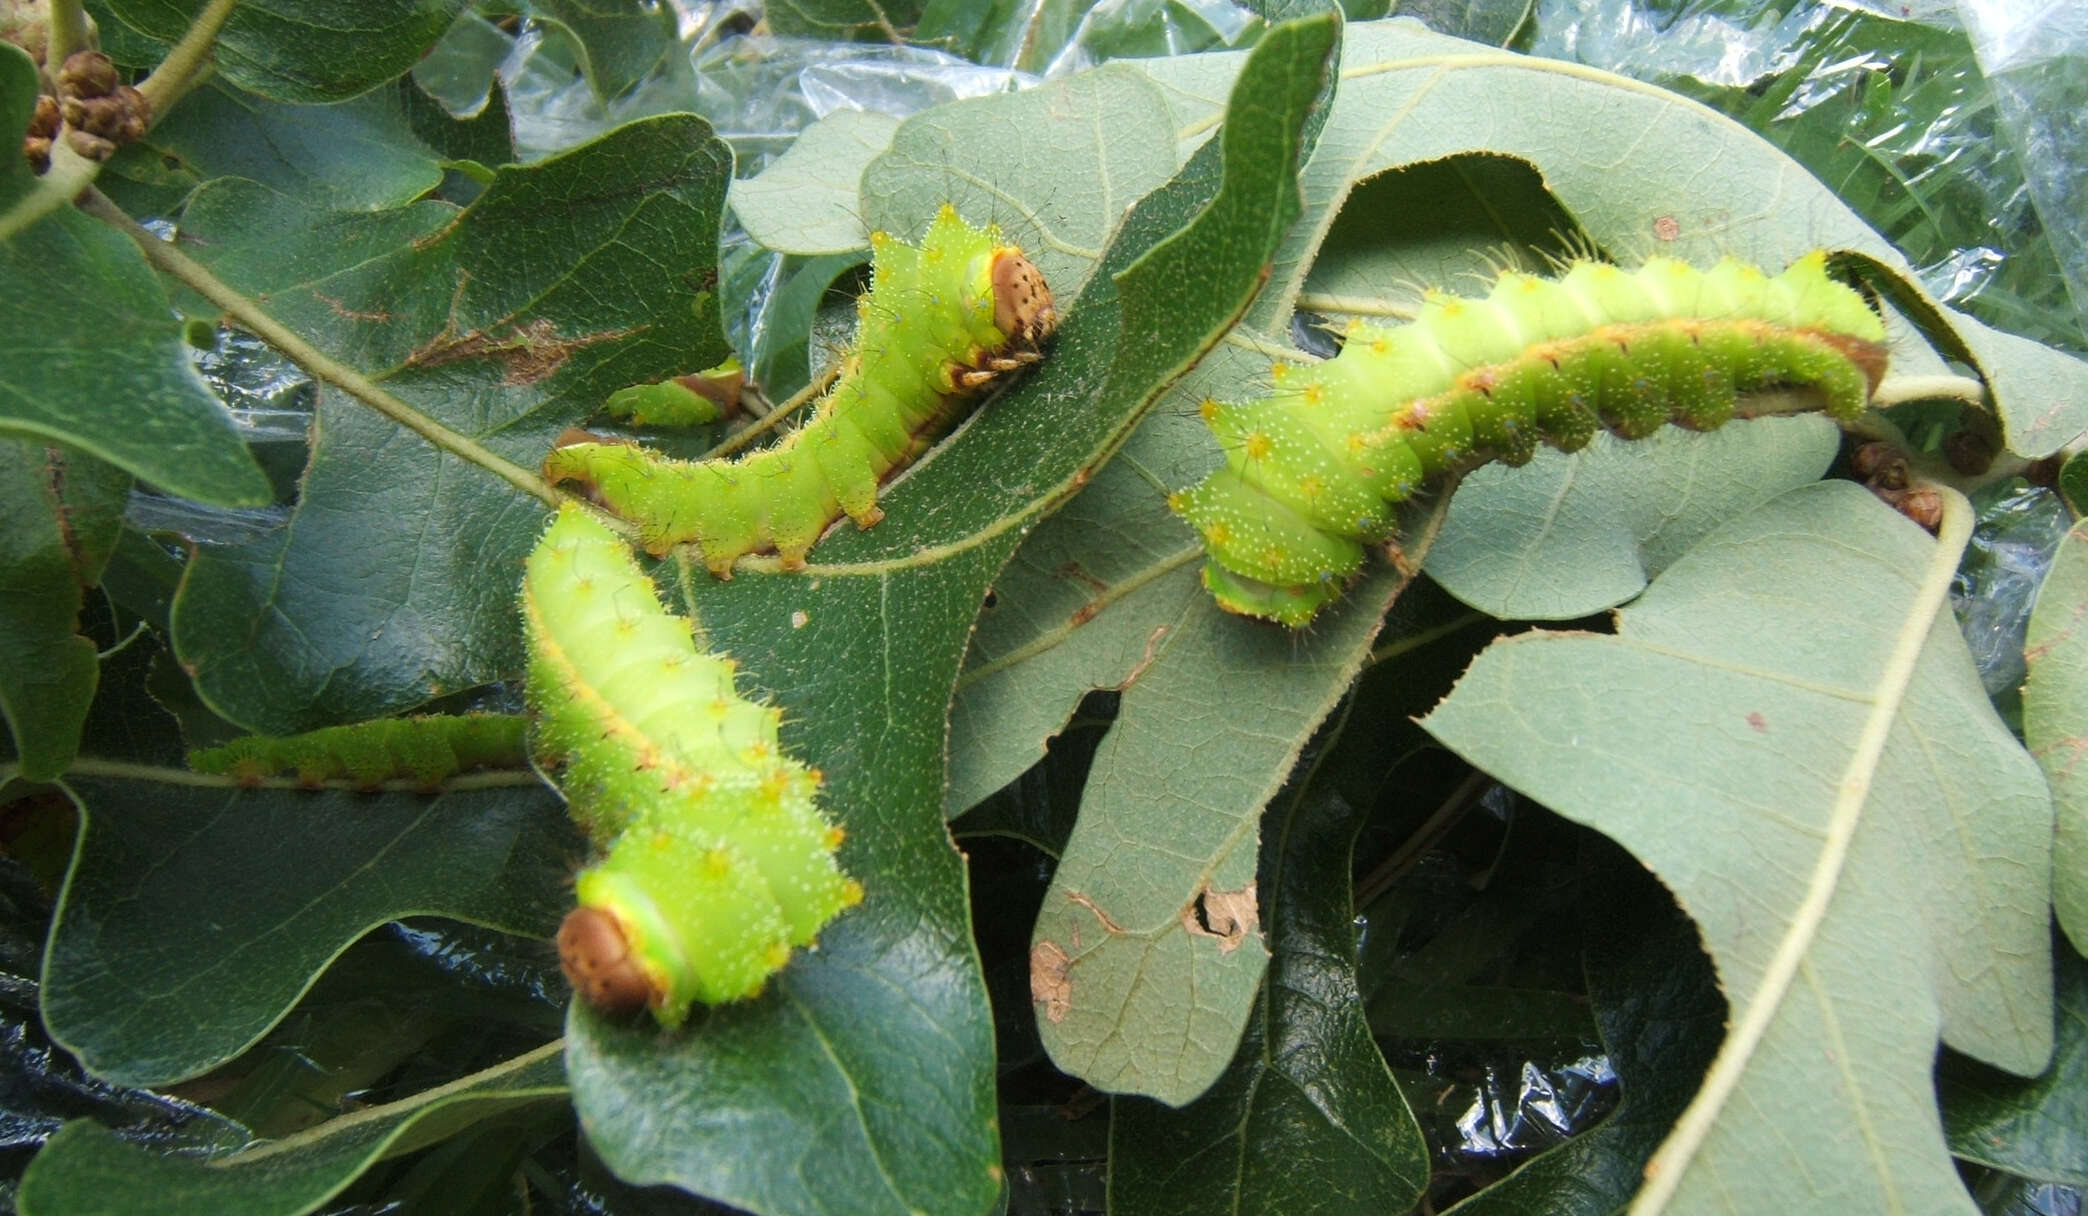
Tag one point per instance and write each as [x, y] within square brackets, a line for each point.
[697, 399]
[714, 858]
[1312, 470]
[939, 323]
[427, 750]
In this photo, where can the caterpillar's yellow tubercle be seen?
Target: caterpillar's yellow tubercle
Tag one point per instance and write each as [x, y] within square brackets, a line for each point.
[939, 324]
[714, 859]
[426, 750]
[1312, 470]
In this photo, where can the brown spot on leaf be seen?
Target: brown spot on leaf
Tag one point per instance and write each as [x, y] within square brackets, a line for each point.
[1758, 722]
[1078, 573]
[1667, 228]
[527, 353]
[341, 309]
[1228, 916]
[1050, 986]
[1108, 925]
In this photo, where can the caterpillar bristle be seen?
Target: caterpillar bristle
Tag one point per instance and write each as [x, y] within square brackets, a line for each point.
[942, 322]
[714, 858]
[1471, 379]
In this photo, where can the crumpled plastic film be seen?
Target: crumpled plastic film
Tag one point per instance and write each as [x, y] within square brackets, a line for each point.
[1889, 107]
[2018, 529]
[758, 92]
[2035, 54]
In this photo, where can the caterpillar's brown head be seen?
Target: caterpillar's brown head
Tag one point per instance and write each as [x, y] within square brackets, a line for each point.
[599, 963]
[1022, 307]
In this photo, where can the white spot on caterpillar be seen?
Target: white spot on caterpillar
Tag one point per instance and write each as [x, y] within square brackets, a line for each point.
[798, 619]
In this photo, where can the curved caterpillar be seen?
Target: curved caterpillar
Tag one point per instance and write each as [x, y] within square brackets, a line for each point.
[715, 860]
[428, 750]
[1312, 470]
[939, 323]
[697, 399]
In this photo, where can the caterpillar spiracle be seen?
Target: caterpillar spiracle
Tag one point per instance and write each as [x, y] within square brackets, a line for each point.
[426, 750]
[714, 859]
[1312, 470]
[939, 324]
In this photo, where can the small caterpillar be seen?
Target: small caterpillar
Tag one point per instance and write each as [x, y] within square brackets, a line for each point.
[1312, 470]
[697, 399]
[714, 858]
[428, 750]
[939, 323]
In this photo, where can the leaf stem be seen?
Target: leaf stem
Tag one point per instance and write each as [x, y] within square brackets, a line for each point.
[182, 67]
[127, 770]
[482, 1084]
[1897, 390]
[66, 21]
[775, 417]
[239, 308]
[70, 173]
[1353, 306]
[1751, 1024]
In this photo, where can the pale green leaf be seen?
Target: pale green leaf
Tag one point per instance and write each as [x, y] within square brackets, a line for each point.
[2055, 720]
[1787, 729]
[1570, 535]
[806, 202]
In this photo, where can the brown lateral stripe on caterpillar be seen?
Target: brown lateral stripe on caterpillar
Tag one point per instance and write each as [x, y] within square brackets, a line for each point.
[939, 323]
[426, 750]
[714, 857]
[1312, 470]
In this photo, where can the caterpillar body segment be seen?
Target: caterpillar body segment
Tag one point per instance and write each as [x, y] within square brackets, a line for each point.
[426, 750]
[714, 858]
[1312, 470]
[940, 322]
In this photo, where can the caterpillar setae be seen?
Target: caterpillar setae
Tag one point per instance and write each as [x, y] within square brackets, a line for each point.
[939, 323]
[714, 857]
[1311, 471]
[426, 750]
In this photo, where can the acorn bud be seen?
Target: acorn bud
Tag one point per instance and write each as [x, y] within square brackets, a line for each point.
[88, 74]
[45, 120]
[93, 147]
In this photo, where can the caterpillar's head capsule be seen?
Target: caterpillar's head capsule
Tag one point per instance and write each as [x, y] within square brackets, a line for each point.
[1022, 307]
[598, 962]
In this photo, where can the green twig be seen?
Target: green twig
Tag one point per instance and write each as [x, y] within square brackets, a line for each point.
[162, 774]
[67, 23]
[1897, 390]
[775, 417]
[183, 65]
[237, 307]
[70, 173]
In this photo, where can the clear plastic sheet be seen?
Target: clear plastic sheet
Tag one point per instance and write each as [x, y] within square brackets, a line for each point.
[758, 91]
[2035, 54]
[271, 401]
[1125, 29]
[1893, 110]
[1539, 1106]
[2018, 529]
